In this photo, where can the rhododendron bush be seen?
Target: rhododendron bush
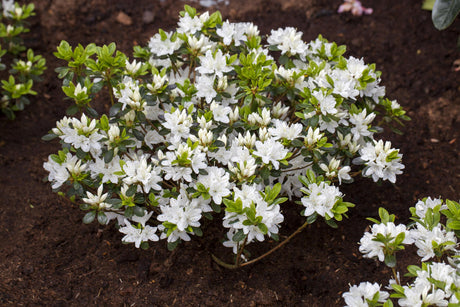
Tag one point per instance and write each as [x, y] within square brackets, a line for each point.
[213, 121]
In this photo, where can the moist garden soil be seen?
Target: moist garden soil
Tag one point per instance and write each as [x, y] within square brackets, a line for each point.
[48, 257]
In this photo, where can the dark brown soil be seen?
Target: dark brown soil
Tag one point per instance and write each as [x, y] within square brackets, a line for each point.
[48, 257]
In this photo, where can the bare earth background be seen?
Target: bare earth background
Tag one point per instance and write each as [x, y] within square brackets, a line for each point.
[48, 257]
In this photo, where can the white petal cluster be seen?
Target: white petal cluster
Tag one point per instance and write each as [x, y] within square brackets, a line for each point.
[143, 173]
[372, 248]
[270, 151]
[423, 292]
[422, 206]
[270, 215]
[141, 233]
[217, 181]
[288, 40]
[426, 240]
[357, 296]
[320, 198]
[82, 134]
[379, 166]
[164, 47]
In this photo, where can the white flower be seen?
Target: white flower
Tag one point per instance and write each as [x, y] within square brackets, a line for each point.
[178, 122]
[270, 151]
[58, 173]
[182, 212]
[191, 25]
[220, 113]
[326, 103]
[271, 215]
[216, 65]
[283, 130]
[313, 136]
[288, 40]
[334, 170]
[361, 122]
[8, 7]
[79, 89]
[381, 161]
[357, 296]
[426, 239]
[129, 95]
[421, 207]
[205, 87]
[320, 198]
[141, 172]
[217, 181]
[419, 295]
[157, 83]
[97, 199]
[133, 67]
[138, 235]
[371, 248]
[107, 170]
[226, 32]
[84, 135]
[161, 47]
[356, 67]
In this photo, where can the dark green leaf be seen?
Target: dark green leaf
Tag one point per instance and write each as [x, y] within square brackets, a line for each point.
[172, 245]
[139, 211]
[239, 236]
[444, 13]
[108, 156]
[89, 217]
[102, 218]
[49, 137]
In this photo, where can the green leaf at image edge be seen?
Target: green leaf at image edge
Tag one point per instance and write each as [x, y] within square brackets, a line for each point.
[444, 13]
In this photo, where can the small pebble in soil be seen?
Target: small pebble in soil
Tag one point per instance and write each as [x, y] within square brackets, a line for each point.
[124, 19]
[148, 17]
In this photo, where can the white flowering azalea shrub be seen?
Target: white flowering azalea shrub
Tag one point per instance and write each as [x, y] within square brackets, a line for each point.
[211, 121]
[434, 230]
[25, 67]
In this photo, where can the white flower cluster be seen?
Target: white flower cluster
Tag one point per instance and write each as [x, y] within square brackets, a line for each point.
[371, 247]
[216, 123]
[430, 239]
[360, 295]
[435, 283]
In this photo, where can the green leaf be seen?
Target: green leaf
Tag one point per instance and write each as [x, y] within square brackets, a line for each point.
[89, 217]
[216, 208]
[390, 260]
[49, 137]
[172, 245]
[104, 121]
[444, 13]
[428, 5]
[239, 236]
[388, 303]
[263, 228]
[312, 218]
[72, 110]
[101, 218]
[139, 211]
[455, 225]
[332, 223]
[108, 156]
[91, 112]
